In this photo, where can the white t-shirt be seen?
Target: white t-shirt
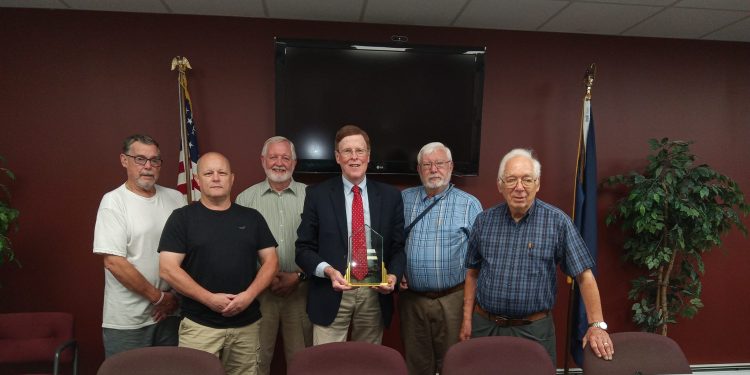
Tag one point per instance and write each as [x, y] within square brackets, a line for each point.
[130, 225]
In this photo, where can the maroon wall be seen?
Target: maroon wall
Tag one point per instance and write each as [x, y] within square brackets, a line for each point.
[74, 84]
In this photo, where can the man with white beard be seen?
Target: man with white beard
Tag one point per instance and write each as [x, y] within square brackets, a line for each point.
[438, 219]
[280, 200]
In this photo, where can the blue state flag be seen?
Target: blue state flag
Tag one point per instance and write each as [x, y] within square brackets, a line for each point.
[584, 218]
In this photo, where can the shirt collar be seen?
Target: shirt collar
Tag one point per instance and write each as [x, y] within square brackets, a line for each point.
[348, 185]
[266, 188]
[423, 194]
[529, 212]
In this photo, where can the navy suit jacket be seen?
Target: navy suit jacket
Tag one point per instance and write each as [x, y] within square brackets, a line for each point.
[323, 236]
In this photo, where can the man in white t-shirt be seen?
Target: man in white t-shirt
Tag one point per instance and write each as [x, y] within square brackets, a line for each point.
[139, 307]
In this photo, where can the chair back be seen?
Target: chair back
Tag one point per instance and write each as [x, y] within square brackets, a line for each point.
[638, 353]
[37, 339]
[497, 355]
[34, 336]
[162, 360]
[350, 357]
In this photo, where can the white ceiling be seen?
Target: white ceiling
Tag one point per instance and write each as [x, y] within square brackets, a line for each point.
[727, 20]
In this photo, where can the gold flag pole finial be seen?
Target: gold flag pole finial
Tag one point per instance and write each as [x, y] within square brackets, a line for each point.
[181, 63]
[588, 79]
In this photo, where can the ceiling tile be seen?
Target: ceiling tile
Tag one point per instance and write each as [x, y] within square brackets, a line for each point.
[715, 4]
[508, 14]
[595, 18]
[236, 8]
[691, 19]
[660, 3]
[413, 12]
[316, 10]
[49, 4]
[684, 23]
[738, 32]
[139, 6]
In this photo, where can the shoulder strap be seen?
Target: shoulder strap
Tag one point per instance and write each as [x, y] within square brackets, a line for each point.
[409, 227]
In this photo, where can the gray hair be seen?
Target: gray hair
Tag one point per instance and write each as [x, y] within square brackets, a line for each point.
[145, 139]
[527, 153]
[432, 147]
[277, 139]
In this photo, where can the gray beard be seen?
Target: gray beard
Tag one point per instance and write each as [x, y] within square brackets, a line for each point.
[148, 186]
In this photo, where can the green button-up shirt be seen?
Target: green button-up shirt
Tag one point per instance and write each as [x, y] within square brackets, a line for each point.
[282, 211]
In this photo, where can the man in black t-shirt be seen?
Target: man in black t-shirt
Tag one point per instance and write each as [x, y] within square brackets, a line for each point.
[209, 253]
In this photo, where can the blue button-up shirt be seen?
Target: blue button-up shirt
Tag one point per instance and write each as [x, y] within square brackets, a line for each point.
[517, 260]
[436, 246]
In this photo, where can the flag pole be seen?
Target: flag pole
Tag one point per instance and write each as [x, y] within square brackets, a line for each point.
[588, 80]
[182, 65]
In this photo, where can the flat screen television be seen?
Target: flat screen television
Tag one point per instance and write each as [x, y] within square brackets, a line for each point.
[404, 96]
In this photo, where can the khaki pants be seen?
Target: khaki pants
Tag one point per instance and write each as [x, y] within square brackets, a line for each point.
[288, 314]
[360, 308]
[428, 328]
[236, 347]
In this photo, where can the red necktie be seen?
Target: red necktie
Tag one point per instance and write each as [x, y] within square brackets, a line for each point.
[359, 247]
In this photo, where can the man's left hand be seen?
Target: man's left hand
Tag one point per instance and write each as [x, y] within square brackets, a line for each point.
[284, 283]
[601, 344]
[388, 288]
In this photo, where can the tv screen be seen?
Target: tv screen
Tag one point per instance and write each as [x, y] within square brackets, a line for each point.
[404, 96]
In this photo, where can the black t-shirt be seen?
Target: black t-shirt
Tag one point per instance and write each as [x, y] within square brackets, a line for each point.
[221, 254]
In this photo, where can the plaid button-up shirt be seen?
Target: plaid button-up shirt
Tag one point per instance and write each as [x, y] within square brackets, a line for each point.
[436, 245]
[517, 260]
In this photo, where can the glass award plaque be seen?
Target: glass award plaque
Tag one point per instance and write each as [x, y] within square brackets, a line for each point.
[373, 273]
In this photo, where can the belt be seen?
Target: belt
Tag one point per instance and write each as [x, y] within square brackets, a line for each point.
[504, 321]
[442, 293]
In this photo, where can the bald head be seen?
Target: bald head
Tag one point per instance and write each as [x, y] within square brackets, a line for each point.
[215, 179]
[210, 158]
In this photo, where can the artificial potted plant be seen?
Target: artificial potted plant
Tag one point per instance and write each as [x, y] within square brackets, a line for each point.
[8, 216]
[674, 211]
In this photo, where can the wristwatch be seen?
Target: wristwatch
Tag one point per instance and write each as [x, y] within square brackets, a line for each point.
[601, 325]
[301, 276]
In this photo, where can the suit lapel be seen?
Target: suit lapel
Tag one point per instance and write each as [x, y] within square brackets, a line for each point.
[375, 201]
[338, 203]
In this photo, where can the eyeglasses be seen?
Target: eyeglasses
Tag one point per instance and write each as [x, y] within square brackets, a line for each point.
[438, 164]
[283, 158]
[511, 182]
[141, 160]
[349, 152]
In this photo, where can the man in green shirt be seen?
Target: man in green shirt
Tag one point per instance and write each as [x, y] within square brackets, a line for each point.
[280, 200]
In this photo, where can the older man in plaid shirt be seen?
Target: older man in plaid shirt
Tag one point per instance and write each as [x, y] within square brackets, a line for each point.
[513, 254]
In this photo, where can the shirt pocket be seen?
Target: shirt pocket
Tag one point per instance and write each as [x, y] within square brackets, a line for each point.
[541, 254]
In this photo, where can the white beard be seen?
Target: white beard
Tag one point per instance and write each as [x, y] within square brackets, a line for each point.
[435, 184]
[278, 178]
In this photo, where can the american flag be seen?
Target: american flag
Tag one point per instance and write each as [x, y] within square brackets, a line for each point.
[192, 144]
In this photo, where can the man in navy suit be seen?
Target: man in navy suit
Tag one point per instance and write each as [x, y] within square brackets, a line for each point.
[323, 238]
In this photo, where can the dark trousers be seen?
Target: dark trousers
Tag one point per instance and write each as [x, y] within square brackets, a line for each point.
[541, 331]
